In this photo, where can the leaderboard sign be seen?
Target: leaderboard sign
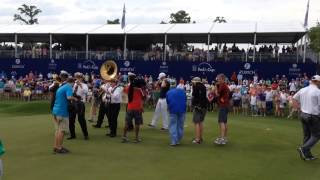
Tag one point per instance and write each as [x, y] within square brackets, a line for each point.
[184, 69]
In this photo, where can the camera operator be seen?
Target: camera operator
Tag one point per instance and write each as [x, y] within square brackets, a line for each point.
[80, 91]
[135, 106]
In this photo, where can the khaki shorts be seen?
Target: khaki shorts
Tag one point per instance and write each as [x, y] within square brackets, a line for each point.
[61, 123]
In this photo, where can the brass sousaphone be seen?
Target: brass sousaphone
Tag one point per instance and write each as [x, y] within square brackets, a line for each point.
[109, 70]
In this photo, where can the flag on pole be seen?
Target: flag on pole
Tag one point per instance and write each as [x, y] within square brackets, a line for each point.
[307, 16]
[123, 20]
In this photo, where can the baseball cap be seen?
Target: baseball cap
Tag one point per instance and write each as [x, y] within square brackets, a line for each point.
[315, 78]
[161, 75]
[196, 79]
[131, 74]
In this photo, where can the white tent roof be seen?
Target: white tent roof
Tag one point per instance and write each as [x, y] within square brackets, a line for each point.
[191, 28]
[225, 32]
[151, 29]
[154, 28]
[112, 29]
[233, 28]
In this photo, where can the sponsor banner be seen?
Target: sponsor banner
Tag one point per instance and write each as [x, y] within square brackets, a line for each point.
[184, 69]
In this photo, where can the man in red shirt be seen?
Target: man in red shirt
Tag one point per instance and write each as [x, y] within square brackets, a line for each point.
[223, 94]
[134, 109]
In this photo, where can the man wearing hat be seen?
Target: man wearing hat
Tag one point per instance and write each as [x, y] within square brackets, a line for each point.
[80, 90]
[309, 100]
[115, 92]
[161, 107]
[199, 103]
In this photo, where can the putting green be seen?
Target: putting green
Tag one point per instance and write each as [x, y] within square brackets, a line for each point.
[259, 149]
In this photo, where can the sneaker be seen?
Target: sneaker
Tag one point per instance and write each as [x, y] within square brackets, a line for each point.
[223, 141]
[217, 141]
[194, 141]
[137, 140]
[125, 140]
[152, 126]
[61, 151]
[311, 158]
[301, 153]
[71, 137]
[173, 145]
[163, 129]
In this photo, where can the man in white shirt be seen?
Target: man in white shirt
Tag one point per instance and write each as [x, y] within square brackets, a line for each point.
[115, 92]
[80, 91]
[104, 104]
[293, 86]
[309, 100]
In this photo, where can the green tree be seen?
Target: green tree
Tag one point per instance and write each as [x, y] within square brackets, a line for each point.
[27, 14]
[314, 35]
[220, 20]
[180, 17]
[115, 21]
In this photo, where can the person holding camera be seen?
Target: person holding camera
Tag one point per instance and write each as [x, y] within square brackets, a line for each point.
[199, 103]
[60, 111]
[134, 107]
[80, 91]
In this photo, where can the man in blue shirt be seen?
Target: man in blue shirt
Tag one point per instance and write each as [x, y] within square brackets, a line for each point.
[177, 103]
[60, 111]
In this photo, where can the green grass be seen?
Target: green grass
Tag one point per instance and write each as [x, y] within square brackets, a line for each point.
[259, 149]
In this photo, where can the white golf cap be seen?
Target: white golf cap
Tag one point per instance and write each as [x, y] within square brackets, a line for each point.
[131, 74]
[315, 78]
[161, 75]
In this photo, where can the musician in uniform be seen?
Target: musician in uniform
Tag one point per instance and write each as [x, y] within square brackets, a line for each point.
[161, 107]
[115, 92]
[80, 91]
[104, 100]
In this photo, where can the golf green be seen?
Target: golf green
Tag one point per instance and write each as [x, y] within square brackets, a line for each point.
[260, 148]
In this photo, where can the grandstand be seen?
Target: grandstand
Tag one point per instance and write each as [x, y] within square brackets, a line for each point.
[84, 43]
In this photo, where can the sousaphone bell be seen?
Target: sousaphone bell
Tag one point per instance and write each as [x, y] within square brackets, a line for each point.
[109, 70]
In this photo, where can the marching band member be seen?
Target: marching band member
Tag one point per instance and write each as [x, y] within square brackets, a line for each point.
[115, 92]
[104, 100]
[80, 91]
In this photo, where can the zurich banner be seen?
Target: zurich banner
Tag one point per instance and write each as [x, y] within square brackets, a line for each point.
[177, 69]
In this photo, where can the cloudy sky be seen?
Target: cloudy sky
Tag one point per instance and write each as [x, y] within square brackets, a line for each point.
[154, 11]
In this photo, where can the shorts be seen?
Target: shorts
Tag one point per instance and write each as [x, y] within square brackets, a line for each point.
[136, 115]
[198, 115]
[259, 104]
[61, 123]
[245, 106]
[236, 103]
[223, 115]
[263, 105]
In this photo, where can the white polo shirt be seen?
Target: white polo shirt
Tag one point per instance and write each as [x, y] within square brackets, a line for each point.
[309, 99]
[116, 94]
[82, 91]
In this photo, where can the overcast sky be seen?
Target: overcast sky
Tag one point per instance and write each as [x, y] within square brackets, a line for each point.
[154, 11]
